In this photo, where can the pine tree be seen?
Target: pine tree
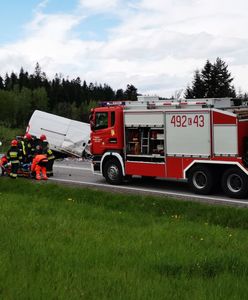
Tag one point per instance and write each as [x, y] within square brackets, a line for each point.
[11, 82]
[214, 80]
[7, 82]
[23, 79]
[119, 94]
[198, 89]
[223, 80]
[1, 83]
[38, 76]
[208, 80]
[130, 93]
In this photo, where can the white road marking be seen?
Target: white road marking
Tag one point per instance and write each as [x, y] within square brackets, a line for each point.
[75, 168]
[154, 191]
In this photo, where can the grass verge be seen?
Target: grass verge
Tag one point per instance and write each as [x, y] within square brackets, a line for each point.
[7, 135]
[73, 243]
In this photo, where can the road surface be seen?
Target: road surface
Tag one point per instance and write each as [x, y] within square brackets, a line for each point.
[76, 172]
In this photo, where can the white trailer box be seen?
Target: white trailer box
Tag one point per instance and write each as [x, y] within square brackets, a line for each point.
[64, 135]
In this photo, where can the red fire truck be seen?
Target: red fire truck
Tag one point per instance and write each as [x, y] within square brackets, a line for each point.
[202, 141]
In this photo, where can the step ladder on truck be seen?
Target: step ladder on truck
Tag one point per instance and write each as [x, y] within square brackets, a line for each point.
[201, 141]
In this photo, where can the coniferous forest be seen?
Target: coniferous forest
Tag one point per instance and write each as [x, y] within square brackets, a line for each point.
[21, 94]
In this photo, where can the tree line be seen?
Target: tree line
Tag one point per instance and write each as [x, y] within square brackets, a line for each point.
[21, 94]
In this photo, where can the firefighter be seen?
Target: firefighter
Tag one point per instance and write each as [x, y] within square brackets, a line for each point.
[43, 144]
[14, 157]
[37, 145]
[45, 149]
[51, 158]
[29, 147]
[4, 164]
[38, 166]
[22, 148]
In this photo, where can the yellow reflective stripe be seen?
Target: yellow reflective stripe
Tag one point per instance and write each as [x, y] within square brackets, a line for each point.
[13, 154]
[23, 148]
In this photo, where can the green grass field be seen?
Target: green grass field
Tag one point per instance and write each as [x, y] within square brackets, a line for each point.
[7, 135]
[72, 243]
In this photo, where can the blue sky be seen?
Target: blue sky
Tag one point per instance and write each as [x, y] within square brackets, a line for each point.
[155, 45]
[15, 14]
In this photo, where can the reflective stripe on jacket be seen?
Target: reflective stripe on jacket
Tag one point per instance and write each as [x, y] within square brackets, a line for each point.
[50, 154]
[14, 155]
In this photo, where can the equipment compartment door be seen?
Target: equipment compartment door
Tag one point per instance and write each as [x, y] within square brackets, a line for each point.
[188, 133]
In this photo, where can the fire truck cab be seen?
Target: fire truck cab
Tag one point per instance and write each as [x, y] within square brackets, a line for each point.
[202, 141]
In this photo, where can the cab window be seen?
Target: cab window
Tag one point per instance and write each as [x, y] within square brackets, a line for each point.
[101, 120]
[112, 118]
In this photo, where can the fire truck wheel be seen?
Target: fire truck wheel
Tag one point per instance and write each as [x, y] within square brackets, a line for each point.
[235, 183]
[113, 172]
[201, 180]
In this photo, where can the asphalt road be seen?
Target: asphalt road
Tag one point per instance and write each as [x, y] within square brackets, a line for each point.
[77, 172]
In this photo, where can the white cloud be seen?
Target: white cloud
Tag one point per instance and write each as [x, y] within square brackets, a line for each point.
[52, 27]
[42, 5]
[157, 45]
[99, 5]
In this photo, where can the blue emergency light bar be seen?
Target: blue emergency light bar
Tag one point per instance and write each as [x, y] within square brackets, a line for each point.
[112, 103]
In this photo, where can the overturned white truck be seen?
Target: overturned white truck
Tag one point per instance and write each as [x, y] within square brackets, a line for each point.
[64, 135]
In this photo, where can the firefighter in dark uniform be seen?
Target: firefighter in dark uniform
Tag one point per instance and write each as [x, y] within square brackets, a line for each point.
[37, 144]
[29, 147]
[14, 157]
[22, 148]
[45, 149]
[51, 158]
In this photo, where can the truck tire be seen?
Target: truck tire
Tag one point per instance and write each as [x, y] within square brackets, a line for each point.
[235, 183]
[112, 172]
[201, 180]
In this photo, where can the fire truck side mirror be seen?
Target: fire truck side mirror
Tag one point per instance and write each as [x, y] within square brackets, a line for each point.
[92, 123]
